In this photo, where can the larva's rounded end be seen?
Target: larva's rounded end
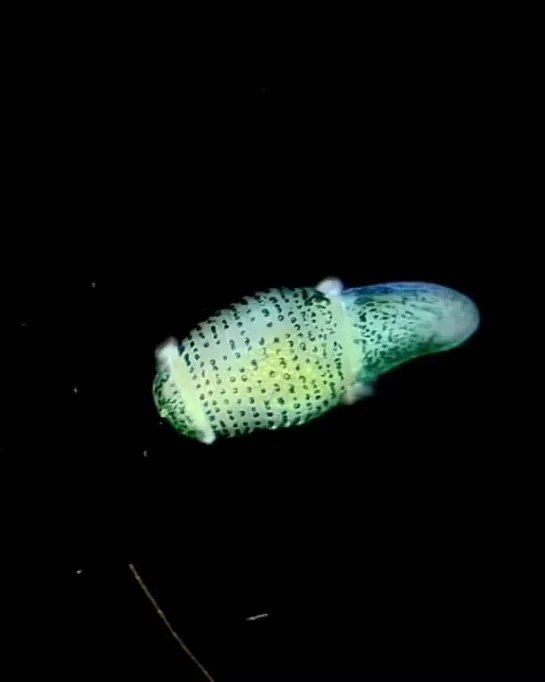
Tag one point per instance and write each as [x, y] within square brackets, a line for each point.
[400, 321]
[460, 321]
[174, 397]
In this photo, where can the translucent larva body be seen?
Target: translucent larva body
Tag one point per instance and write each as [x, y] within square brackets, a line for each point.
[285, 356]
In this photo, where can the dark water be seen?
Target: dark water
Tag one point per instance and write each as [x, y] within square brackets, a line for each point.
[387, 541]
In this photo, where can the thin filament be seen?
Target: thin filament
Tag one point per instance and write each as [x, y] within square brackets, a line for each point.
[169, 626]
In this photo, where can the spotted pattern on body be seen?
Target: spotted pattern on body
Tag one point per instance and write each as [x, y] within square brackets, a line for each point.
[272, 360]
[286, 356]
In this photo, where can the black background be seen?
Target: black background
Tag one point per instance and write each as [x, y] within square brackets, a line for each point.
[153, 183]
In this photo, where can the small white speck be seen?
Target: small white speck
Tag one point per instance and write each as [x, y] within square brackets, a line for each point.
[79, 571]
[23, 324]
[261, 615]
[75, 389]
[145, 453]
[93, 284]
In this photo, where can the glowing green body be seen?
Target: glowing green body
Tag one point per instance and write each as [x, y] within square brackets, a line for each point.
[284, 357]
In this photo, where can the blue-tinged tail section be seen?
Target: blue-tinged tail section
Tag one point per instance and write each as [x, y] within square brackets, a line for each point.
[399, 321]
